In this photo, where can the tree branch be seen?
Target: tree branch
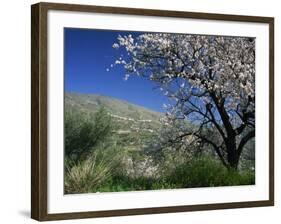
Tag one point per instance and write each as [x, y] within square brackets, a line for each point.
[244, 140]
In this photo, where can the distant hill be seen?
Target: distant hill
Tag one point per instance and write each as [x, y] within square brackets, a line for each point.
[133, 123]
[117, 107]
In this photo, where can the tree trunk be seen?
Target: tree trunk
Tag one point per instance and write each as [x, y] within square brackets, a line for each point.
[232, 154]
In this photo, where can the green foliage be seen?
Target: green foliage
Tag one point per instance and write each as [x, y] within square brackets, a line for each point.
[84, 131]
[84, 176]
[201, 172]
[105, 154]
[207, 172]
[91, 151]
[126, 183]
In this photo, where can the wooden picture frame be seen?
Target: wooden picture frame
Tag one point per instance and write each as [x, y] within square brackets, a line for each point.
[39, 110]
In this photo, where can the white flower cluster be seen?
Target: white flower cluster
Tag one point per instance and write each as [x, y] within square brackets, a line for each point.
[194, 64]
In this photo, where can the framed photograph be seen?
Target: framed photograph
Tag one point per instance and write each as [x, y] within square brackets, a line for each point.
[138, 111]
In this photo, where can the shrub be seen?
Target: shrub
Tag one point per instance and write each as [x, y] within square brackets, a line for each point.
[84, 131]
[207, 172]
[91, 151]
[87, 175]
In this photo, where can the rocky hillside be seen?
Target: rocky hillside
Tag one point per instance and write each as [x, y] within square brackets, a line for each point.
[121, 108]
[134, 123]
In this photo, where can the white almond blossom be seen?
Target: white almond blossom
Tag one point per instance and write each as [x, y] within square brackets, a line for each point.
[211, 80]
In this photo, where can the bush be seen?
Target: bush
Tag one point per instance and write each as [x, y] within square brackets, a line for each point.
[207, 172]
[199, 172]
[84, 131]
[91, 151]
[87, 175]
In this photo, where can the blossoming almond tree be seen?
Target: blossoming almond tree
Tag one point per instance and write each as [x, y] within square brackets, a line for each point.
[210, 79]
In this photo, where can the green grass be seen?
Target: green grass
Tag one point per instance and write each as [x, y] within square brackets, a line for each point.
[202, 172]
[208, 172]
[108, 177]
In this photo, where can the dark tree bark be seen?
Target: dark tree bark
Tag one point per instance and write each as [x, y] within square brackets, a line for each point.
[208, 77]
[233, 150]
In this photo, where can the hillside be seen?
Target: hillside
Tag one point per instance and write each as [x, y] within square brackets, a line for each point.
[133, 123]
[91, 102]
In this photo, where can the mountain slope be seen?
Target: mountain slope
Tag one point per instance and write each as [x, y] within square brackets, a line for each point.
[118, 108]
[133, 124]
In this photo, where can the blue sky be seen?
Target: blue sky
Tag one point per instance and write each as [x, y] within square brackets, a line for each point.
[87, 55]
